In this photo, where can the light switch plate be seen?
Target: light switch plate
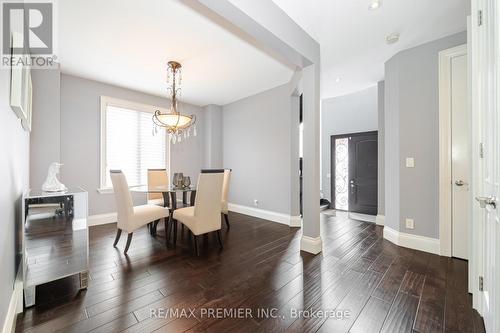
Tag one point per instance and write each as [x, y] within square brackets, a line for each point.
[410, 162]
[328, 175]
[410, 224]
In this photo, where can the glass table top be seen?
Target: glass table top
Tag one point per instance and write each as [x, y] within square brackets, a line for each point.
[161, 189]
[37, 193]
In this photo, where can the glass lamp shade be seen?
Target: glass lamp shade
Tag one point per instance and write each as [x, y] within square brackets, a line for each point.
[175, 120]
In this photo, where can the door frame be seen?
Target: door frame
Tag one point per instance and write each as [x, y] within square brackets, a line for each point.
[332, 160]
[445, 158]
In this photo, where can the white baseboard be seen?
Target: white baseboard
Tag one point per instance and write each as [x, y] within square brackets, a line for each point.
[310, 244]
[380, 220]
[15, 305]
[292, 221]
[362, 217]
[391, 235]
[416, 242]
[101, 219]
[296, 221]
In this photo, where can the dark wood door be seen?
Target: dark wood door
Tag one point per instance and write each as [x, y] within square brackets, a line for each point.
[363, 164]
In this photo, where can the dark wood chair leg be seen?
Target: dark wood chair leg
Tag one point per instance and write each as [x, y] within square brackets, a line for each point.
[170, 219]
[196, 245]
[117, 238]
[226, 218]
[219, 238]
[167, 229]
[129, 239]
[154, 226]
[175, 232]
[171, 226]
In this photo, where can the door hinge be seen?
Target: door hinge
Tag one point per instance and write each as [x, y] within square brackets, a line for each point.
[479, 18]
[481, 283]
[481, 150]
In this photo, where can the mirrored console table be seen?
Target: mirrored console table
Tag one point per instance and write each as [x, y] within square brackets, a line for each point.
[55, 239]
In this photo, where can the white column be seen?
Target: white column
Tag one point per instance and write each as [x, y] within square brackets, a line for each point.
[311, 238]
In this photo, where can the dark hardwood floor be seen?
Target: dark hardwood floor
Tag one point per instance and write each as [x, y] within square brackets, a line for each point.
[382, 287]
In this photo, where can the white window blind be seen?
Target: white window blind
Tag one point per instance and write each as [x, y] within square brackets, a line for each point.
[131, 145]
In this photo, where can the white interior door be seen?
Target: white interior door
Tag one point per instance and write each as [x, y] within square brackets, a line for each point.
[486, 223]
[489, 217]
[461, 161]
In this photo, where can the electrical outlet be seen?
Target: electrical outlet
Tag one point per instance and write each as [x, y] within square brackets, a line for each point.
[410, 224]
[410, 162]
[256, 202]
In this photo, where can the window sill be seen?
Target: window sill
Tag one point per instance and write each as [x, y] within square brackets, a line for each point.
[109, 190]
[106, 190]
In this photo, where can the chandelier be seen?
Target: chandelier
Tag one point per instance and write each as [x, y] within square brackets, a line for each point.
[176, 124]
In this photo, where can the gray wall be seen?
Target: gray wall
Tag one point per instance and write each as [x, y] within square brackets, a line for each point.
[411, 127]
[256, 146]
[80, 137]
[45, 138]
[391, 140]
[381, 148]
[357, 112]
[14, 177]
[213, 137]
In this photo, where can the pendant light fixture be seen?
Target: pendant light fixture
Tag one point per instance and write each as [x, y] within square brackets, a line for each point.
[176, 124]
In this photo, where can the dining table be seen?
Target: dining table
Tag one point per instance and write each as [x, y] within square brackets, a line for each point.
[169, 199]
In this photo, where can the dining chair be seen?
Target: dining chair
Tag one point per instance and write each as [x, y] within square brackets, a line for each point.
[131, 218]
[205, 215]
[157, 177]
[225, 191]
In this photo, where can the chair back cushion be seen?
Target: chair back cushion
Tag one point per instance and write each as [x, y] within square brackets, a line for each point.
[157, 177]
[207, 205]
[124, 203]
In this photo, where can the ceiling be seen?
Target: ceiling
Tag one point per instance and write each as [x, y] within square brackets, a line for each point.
[128, 43]
[352, 38]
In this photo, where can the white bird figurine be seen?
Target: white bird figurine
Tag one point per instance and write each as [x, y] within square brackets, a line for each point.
[52, 184]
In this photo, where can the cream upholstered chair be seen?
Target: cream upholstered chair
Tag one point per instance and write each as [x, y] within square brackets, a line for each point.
[157, 177]
[131, 218]
[205, 215]
[225, 191]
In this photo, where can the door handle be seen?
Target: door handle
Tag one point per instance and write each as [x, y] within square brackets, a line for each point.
[353, 186]
[460, 183]
[483, 201]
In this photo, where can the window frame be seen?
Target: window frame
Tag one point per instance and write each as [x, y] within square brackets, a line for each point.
[106, 101]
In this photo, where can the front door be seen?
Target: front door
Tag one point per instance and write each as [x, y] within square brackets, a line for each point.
[363, 163]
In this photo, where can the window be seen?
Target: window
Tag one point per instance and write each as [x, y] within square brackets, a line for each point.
[128, 143]
[342, 174]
